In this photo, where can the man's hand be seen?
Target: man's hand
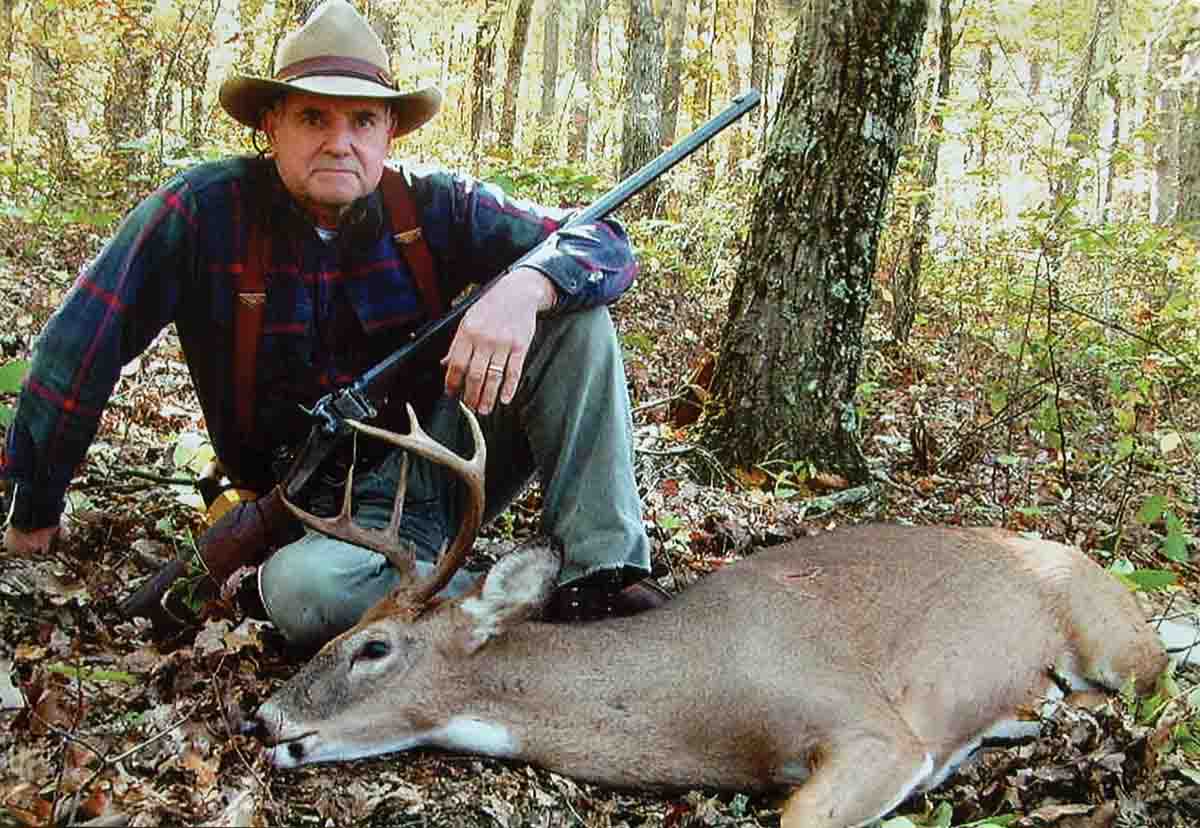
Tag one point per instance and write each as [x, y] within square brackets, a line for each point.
[488, 353]
[31, 543]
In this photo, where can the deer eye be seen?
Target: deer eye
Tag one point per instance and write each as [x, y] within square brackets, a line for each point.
[373, 650]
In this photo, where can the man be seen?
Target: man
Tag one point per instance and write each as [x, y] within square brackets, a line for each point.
[536, 356]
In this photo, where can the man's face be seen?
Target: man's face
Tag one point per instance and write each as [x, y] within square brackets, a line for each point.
[329, 151]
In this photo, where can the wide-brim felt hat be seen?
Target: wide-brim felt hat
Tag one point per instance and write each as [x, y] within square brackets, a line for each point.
[335, 53]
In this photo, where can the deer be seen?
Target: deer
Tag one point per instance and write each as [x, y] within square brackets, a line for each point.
[850, 669]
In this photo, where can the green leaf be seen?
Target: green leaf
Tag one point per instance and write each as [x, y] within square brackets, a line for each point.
[1152, 509]
[1121, 567]
[1126, 419]
[11, 375]
[193, 452]
[1149, 580]
[1124, 448]
[91, 674]
[943, 816]
[1175, 546]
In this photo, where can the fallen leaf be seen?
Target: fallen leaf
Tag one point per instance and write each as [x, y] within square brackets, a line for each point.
[54, 711]
[248, 634]
[829, 482]
[244, 810]
[205, 769]
[211, 639]
[10, 696]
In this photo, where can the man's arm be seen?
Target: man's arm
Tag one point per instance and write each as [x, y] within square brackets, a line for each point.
[114, 310]
[476, 232]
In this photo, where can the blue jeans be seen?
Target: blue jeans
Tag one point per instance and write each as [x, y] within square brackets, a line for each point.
[569, 423]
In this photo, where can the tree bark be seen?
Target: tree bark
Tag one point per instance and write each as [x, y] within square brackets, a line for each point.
[1065, 185]
[986, 99]
[736, 133]
[512, 82]
[791, 349]
[483, 70]
[702, 107]
[585, 45]
[759, 62]
[1163, 100]
[906, 287]
[7, 45]
[672, 82]
[545, 140]
[1114, 142]
[641, 135]
[126, 94]
[46, 100]
[1187, 213]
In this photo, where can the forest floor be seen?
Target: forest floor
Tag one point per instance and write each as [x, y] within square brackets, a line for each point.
[102, 720]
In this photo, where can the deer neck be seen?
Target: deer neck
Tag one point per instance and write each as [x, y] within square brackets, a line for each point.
[564, 695]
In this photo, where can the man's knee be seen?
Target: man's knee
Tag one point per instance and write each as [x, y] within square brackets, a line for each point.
[316, 588]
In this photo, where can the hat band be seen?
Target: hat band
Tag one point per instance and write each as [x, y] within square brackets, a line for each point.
[333, 65]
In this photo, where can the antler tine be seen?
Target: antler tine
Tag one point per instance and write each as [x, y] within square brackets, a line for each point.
[470, 470]
[344, 528]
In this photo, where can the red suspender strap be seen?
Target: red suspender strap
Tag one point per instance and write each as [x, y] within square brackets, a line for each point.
[251, 296]
[406, 230]
[251, 291]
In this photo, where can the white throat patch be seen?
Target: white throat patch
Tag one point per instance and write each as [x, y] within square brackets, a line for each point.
[471, 735]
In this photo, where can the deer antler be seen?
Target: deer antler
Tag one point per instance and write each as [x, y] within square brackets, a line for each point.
[385, 541]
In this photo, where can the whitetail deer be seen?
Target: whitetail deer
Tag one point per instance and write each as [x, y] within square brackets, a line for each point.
[855, 666]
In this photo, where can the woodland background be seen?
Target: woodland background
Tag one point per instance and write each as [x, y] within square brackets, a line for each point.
[1030, 359]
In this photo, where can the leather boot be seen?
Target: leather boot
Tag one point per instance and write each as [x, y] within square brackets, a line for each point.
[600, 595]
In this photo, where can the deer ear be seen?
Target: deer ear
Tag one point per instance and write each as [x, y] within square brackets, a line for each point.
[516, 587]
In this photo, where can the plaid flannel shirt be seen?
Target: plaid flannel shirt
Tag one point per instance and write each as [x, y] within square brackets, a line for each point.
[333, 308]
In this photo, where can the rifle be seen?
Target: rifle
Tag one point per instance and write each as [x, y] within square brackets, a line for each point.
[232, 541]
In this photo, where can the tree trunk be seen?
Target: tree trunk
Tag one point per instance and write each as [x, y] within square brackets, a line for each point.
[512, 82]
[672, 82]
[792, 346]
[641, 136]
[47, 95]
[1163, 100]
[736, 133]
[906, 287]
[986, 100]
[126, 95]
[702, 107]
[1065, 185]
[7, 46]
[545, 140]
[585, 45]
[1187, 213]
[1114, 142]
[759, 63]
[483, 70]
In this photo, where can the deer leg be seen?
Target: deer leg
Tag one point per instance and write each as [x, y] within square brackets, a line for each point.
[856, 782]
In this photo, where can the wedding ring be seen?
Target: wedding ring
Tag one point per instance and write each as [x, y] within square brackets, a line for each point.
[495, 369]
